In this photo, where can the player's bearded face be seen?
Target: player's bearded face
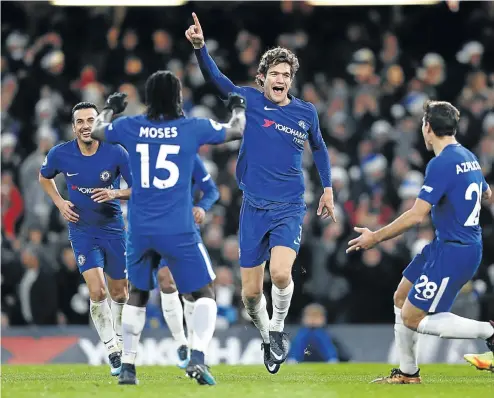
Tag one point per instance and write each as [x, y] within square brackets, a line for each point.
[83, 123]
[277, 82]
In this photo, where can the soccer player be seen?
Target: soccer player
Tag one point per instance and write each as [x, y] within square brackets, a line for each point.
[453, 189]
[92, 172]
[170, 301]
[269, 172]
[162, 147]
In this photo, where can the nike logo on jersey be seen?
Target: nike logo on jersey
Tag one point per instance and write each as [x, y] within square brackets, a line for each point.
[70, 175]
[270, 109]
[420, 298]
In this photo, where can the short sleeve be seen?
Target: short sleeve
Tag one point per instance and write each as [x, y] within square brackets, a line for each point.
[49, 167]
[435, 182]
[210, 132]
[115, 131]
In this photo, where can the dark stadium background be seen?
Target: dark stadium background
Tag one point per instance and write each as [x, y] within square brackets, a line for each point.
[53, 57]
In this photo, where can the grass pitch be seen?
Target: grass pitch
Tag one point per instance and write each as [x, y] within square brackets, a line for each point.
[311, 380]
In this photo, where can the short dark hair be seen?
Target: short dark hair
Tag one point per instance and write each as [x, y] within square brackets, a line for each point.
[163, 96]
[442, 116]
[274, 57]
[83, 105]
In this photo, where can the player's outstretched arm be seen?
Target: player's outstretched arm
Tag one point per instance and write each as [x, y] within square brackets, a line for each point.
[115, 104]
[236, 126]
[369, 239]
[65, 206]
[321, 159]
[208, 67]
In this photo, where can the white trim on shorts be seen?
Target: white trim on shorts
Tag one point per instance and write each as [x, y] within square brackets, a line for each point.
[439, 294]
[205, 256]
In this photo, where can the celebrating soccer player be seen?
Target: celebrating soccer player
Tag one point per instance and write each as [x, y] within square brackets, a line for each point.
[173, 312]
[162, 147]
[269, 172]
[92, 171]
[453, 189]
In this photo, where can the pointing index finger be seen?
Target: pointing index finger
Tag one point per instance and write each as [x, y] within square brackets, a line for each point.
[196, 22]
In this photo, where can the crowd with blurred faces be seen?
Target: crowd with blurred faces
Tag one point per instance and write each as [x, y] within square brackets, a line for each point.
[368, 71]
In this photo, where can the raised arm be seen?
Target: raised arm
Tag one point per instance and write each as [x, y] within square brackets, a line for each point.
[115, 104]
[209, 69]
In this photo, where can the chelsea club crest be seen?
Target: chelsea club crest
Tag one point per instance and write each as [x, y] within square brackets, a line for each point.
[105, 175]
[81, 259]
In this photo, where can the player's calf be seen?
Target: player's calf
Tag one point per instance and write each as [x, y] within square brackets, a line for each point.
[133, 320]
[101, 315]
[282, 259]
[173, 314]
[254, 300]
[119, 293]
[203, 325]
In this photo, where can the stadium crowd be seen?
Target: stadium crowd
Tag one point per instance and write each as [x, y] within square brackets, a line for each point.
[367, 71]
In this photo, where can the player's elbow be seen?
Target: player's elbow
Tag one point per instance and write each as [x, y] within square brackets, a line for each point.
[417, 217]
[41, 179]
[487, 194]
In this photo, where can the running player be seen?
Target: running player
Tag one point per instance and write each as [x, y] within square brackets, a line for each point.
[269, 172]
[170, 300]
[92, 172]
[162, 147]
[453, 189]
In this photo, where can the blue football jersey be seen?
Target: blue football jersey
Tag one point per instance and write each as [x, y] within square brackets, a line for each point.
[85, 173]
[269, 166]
[162, 156]
[453, 185]
[269, 163]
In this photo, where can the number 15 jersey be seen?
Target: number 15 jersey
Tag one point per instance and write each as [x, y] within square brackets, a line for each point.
[453, 185]
[162, 155]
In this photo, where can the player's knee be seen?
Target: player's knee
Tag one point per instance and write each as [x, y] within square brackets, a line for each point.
[281, 276]
[204, 292]
[399, 299]
[119, 296]
[97, 293]
[251, 292]
[251, 300]
[410, 320]
[167, 285]
[189, 297]
[119, 293]
[137, 298]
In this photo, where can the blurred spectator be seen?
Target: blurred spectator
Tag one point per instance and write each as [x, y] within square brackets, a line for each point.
[368, 86]
[12, 205]
[313, 343]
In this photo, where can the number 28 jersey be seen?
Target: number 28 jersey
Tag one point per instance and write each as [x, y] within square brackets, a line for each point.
[162, 155]
[453, 185]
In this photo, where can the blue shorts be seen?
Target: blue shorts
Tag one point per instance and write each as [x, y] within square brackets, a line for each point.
[184, 254]
[262, 229]
[163, 263]
[439, 273]
[105, 253]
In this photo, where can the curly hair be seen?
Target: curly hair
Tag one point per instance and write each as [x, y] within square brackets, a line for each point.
[274, 57]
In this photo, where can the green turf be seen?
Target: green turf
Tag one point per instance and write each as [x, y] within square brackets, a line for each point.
[312, 381]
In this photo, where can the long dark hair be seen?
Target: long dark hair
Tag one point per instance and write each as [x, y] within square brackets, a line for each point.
[163, 96]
